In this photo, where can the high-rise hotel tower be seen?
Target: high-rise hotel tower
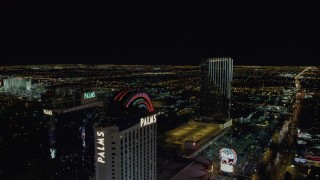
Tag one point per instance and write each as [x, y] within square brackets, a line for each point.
[125, 145]
[216, 78]
[70, 111]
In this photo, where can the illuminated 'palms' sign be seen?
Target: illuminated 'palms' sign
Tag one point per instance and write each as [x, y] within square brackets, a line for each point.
[89, 95]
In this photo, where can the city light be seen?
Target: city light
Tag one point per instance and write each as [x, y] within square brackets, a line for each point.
[87, 128]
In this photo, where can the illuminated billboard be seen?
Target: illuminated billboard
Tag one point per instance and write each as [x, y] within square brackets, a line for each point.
[300, 160]
[47, 112]
[228, 159]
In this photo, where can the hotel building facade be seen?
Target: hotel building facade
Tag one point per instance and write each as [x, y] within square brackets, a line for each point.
[125, 145]
[70, 111]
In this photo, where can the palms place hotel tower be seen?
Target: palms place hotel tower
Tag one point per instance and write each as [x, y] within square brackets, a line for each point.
[216, 78]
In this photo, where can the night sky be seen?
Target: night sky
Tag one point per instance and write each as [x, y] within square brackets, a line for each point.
[142, 33]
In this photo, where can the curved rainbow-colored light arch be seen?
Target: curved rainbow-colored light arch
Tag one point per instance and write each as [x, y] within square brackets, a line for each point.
[121, 94]
[139, 98]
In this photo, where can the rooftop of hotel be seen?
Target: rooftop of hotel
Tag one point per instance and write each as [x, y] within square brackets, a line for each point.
[193, 131]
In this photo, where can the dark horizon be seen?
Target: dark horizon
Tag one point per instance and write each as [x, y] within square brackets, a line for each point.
[178, 34]
[98, 60]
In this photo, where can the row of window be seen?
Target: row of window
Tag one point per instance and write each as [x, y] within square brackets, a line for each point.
[140, 132]
[113, 157]
[130, 141]
[138, 175]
